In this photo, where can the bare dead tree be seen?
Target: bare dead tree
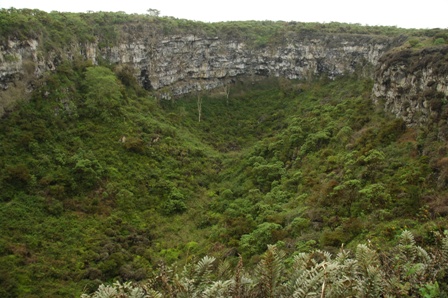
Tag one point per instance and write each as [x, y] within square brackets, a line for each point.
[199, 104]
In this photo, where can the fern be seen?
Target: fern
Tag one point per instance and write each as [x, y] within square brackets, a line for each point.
[366, 256]
[412, 266]
[164, 280]
[102, 292]
[238, 286]
[444, 250]
[194, 279]
[371, 283]
[150, 293]
[310, 273]
[224, 270]
[309, 283]
[269, 272]
[203, 268]
[406, 246]
[219, 289]
[125, 290]
[407, 271]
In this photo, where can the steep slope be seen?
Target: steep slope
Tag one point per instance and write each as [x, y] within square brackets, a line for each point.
[91, 194]
[176, 57]
[88, 194]
[102, 180]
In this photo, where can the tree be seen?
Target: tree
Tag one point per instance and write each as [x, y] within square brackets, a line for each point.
[153, 12]
[199, 104]
[199, 101]
[262, 236]
[227, 92]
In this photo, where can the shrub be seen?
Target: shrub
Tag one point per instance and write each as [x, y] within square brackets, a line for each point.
[413, 42]
[171, 207]
[86, 168]
[103, 95]
[256, 242]
[439, 41]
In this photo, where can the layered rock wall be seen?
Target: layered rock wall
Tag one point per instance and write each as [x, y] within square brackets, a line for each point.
[178, 64]
[182, 64]
[413, 84]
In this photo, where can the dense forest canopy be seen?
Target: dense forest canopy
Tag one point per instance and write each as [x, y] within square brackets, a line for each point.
[101, 181]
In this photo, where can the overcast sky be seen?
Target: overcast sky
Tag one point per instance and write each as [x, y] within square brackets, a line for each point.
[400, 13]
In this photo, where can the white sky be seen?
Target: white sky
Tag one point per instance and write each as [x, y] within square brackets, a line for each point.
[400, 13]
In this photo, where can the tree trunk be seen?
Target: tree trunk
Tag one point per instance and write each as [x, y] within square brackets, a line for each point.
[199, 103]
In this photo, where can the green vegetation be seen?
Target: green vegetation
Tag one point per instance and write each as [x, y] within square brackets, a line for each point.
[86, 191]
[103, 183]
[60, 29]
[409, 271]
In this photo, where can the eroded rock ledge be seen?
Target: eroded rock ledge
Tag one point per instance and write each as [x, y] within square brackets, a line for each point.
[414, 84]
[178, 64]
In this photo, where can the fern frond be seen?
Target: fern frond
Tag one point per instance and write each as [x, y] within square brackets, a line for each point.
[105, 292]
[203, 267]
[309, 283]
[125, 290]
[407, 247]
[301, 261]
[406, 238]
[366, 256]
[269, 270]
[423, 255]
[342, 255]
[151, 293]
[193, 279]
[224, 270]
[219, 289]
[160, 280]
[444, 248]
[238, 288]
[137, 293]
[321, 256]
[205, 263]
[372, 283]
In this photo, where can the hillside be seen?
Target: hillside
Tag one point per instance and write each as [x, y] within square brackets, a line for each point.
[107, 171]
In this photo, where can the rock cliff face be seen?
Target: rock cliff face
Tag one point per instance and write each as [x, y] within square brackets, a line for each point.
[13, 57]
[174, 64]
[411, 84]
[181, 64]
[414, 84]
